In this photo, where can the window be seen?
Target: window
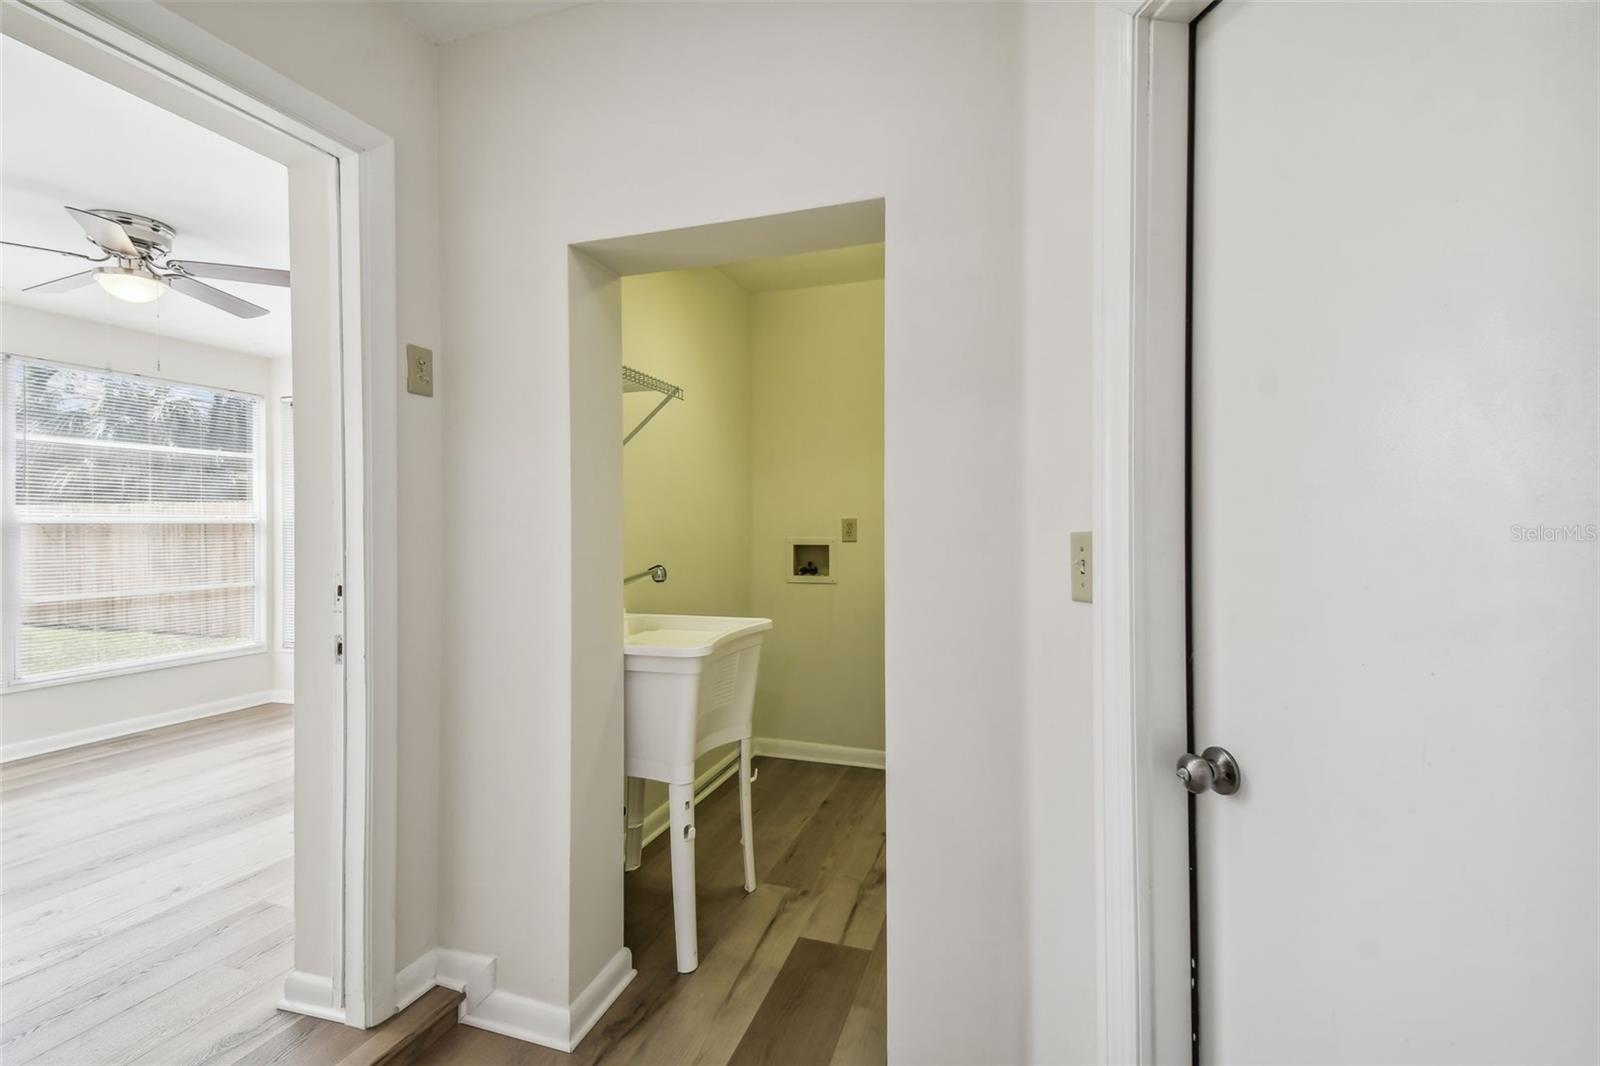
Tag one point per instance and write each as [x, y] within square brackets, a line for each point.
[132, 522]
[286, 515]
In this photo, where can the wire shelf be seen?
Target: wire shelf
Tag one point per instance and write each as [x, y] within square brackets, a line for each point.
[638, 381]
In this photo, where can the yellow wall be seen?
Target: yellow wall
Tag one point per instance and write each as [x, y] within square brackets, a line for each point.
[817, 457]
[780, 436]
[686, 477]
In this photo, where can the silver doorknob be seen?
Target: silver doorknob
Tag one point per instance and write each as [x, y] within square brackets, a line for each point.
[1214, 769]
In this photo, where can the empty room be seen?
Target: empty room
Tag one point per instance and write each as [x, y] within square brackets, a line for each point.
[147, 721]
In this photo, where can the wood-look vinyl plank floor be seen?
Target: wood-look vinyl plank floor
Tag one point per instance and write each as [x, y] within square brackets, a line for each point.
[146, 886]
[145, 895]
[803, 1013]
[792, 973]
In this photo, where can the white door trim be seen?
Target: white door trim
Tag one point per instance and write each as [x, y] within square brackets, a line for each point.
[1141, 132]
[239, 93]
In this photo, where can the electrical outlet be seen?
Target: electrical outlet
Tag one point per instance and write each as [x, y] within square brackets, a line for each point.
[847, 530]
[419, 370]
[1083, 567]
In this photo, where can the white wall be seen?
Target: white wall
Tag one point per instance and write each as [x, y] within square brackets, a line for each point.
[364, 58]
[607, 120]
[1056, 293]
[42, 719]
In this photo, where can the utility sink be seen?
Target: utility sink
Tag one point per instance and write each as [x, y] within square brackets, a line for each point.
[689, 685]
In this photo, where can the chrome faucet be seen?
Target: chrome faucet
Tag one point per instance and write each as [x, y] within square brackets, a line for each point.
[656, 573]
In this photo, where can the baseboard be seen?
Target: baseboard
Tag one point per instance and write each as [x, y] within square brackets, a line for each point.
[25, 749]
[467, 972]
[521, 1018]
[499, 1011]
[415, 979]
[310, 994]
[596, 999]
[805, 751]
[655, 823]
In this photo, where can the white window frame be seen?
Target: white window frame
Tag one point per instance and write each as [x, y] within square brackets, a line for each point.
[11, 523]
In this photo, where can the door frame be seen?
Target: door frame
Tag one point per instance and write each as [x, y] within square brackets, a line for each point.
[1142, 127]
[163, 57]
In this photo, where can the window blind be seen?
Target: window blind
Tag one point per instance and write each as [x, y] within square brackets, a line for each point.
[135, 508]
[287, 519]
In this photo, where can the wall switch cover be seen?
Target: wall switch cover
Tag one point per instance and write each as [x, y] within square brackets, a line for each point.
[847, 530]
[1083, 567]
[419, 370]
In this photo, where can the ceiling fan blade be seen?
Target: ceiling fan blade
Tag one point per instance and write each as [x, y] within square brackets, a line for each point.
[66, 284]
[104, 232]
[223, 301]
[229, 272]
[57, 251]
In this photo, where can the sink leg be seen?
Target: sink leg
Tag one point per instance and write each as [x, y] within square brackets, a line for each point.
[680, 809]
[747, 831]
[632, 822]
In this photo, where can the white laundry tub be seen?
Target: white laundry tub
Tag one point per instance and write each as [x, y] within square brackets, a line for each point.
[689, 685]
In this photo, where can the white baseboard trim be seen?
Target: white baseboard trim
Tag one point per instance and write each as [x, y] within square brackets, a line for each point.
[24, 749]
[521, 1018]
[310, 994]
[415, 979]
[506, 1013]
[467, 972]
[655, 823]
[806, 751]
[603, 991]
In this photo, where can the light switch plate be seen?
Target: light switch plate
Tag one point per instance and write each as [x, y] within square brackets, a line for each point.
[847, 530]
[419, 370]
[1083, 567]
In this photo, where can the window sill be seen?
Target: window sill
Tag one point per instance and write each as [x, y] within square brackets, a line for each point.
[52, 681]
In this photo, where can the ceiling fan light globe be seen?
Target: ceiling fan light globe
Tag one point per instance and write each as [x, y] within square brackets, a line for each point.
[134, 286]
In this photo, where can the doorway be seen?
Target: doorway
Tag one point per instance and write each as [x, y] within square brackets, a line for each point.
[597, 272]
[335, 890]
[758, 491]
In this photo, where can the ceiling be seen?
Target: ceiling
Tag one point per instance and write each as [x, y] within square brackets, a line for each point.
[834, 266]
[441, 21]
[71, 139]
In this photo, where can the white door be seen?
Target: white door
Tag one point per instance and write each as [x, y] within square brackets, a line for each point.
[1395, 562]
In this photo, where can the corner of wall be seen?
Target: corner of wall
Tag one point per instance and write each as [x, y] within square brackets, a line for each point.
[312, 995]
[497, 1010]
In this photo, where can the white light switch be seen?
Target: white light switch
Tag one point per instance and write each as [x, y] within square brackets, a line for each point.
[1083, 567]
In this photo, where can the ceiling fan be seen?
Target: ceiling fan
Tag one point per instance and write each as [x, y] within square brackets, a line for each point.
[136, 249]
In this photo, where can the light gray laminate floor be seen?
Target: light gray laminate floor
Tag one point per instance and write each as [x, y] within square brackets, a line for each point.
[145, 894]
